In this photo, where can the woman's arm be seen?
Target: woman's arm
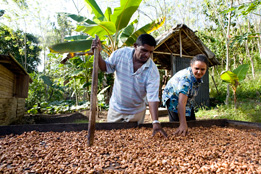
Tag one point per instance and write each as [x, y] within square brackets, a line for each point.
[183, 127]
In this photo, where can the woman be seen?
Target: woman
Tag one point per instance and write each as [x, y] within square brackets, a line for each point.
[181, 90]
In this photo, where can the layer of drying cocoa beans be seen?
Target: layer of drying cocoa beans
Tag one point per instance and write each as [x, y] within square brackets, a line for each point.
[204, 150]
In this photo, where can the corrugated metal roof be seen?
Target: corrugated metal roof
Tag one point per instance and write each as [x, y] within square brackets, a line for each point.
[177, 39]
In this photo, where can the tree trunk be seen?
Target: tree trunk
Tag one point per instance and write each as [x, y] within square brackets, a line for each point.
[251, 59]
[227, 53]
[258, 30]
[235, 98]
[248, 53]
[25, 52]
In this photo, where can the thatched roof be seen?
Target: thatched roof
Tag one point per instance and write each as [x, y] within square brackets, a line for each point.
[180, 37]
[9, 62]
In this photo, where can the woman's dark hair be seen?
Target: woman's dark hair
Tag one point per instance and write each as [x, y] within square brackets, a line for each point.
[201, 58]
[146, 39]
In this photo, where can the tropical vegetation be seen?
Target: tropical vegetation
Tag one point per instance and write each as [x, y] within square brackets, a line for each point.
[230, 29]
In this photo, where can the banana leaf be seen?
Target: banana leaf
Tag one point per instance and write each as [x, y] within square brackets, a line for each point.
[229, 77]
[74, 46]
[145, 29]
[241, 71]
[102, 29]
[122, 15]
[95, 9]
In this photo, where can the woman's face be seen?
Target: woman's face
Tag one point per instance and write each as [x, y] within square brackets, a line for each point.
[199, 69]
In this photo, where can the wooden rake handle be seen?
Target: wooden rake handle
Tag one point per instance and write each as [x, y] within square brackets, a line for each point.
[92, 117]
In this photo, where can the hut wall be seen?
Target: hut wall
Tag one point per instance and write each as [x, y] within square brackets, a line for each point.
[202, 99]
[7, 79]
[11, 108]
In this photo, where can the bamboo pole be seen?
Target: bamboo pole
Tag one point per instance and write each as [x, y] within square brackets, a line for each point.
[91, 125]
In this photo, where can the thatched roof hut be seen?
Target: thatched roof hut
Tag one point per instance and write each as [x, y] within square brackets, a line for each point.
[180, 41]
[174, 50]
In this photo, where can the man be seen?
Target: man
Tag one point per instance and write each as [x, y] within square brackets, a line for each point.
[136, 78]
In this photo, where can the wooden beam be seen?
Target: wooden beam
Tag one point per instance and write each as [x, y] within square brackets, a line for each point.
[167, 47]
[180, 44]
[167, 53]
[182, 47]
[5, 61]
[193, 42]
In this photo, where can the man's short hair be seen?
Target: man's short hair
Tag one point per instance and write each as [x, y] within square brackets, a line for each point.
[146, 39]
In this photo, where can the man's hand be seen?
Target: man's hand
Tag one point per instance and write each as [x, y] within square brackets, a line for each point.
[96, 44]
[182, 130]
[158, 128]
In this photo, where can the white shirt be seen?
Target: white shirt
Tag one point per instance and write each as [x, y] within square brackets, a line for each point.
[130, 89]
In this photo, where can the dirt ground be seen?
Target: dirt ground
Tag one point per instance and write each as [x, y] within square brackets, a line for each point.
[81, 117]
[102, 116]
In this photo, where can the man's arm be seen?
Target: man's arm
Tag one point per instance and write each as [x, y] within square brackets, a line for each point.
[153, 106]
[102, 63]
[183, 127]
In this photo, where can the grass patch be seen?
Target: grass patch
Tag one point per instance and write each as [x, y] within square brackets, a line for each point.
[81, 121]
[248, 102]
[248, 111]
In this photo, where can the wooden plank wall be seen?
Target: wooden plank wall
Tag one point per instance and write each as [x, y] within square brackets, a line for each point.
[7, 79]
[11, 108]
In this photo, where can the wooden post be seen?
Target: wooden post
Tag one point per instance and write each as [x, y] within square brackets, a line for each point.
[173, 65]
[180, 44]
[92, 117]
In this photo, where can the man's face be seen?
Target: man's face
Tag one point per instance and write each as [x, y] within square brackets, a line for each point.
[199, 69]
[143, 52]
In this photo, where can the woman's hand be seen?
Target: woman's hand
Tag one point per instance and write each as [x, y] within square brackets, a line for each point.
[182, 130]
[183, 127]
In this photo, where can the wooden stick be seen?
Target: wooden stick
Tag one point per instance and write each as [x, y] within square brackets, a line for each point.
[91, 125]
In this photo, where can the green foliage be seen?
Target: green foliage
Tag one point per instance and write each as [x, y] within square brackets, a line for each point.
[114, 28]
[246, 8]
[62, 106]
[2, 12]
[248, 99]
[115, 31]
[63, 88]
[238, 74]
[211, 37]
[42, 90]
[247, 111]
[234, 77]
[13, 42]
[230, 78]
[241, 72]
[75, 46]
[250, 89]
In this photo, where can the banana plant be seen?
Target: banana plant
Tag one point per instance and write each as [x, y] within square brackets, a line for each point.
[113, 28]
[233, 78]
